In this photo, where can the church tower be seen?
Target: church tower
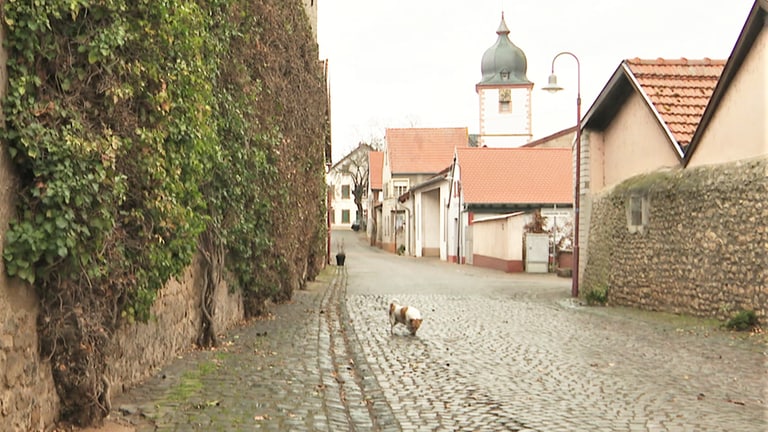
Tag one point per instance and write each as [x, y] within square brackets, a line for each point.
[505, 94]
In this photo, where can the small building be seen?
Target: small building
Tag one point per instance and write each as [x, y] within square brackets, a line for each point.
[496, 193]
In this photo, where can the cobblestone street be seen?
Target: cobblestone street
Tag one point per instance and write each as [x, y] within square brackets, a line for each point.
[496, 351]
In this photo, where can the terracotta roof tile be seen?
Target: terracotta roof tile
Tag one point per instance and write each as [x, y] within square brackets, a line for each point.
[516, 175]
[679, 89]
[375, 169]
[423, 150]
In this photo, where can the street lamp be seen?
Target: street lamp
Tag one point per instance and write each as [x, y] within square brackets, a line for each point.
[553, 87]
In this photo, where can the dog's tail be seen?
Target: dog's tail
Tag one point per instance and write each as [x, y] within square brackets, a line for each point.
[395, 301]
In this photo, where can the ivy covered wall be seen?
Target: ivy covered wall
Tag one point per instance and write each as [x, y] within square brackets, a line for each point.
[144, 133]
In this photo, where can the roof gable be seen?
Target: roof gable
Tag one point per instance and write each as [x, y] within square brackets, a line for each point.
[756, 23]
[356, 154]
[516, 175]
[423, 150]
[676, 91]
[679, 90]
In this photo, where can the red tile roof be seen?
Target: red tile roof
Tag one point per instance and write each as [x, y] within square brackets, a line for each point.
[679, 90]
[423, 150]
[516, 175]
[375, 169]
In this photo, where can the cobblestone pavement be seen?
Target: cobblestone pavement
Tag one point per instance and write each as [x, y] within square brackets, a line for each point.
[288, 371]
[496, 352]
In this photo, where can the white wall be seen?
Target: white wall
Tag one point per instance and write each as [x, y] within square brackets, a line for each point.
[499, 237]
[514, 126]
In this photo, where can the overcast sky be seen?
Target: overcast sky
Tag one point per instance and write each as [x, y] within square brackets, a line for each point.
[415, 63]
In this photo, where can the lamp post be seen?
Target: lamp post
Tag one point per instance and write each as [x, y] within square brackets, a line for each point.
[553, 87]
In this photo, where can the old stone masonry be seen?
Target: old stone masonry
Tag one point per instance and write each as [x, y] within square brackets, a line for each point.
[496, 352]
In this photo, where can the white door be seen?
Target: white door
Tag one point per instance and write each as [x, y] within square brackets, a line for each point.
[536, 253]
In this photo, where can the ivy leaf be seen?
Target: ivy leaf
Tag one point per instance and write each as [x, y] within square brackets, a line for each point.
[61, 223]
[27, 274]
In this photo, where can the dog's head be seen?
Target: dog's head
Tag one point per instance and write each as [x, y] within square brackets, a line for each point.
[414, 324]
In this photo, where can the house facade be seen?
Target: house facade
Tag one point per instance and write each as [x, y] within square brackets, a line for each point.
[687, 237]
[734, 126]
[637, 126]
[411, 157]
[497, 193]
[343, 178]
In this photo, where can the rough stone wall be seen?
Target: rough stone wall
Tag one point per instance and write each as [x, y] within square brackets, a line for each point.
[28, 398]
[174, 327]
[704, 251]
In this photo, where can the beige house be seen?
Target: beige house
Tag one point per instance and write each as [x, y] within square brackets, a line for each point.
[641, 122]
[497, 191]
[412, 156]
[683, 233]
[735, 124]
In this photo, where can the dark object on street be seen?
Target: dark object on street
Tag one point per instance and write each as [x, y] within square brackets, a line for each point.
[340, 257]
[356, 226]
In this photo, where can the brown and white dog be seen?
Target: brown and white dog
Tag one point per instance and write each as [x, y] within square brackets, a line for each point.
[409, 316]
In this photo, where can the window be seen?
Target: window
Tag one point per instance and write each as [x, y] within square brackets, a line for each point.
[505, 100]
[345, 192]
[400, 187]
[345, 216]
[637, 213]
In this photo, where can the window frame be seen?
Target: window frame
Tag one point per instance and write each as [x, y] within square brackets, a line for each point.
[637, 209]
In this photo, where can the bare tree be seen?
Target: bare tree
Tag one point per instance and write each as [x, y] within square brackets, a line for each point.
[356, 166]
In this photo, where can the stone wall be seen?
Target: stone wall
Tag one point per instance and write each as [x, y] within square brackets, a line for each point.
[703, 251]
[173, 328]
[28, 399]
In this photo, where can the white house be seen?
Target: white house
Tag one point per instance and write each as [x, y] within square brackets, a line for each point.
[342, 178]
